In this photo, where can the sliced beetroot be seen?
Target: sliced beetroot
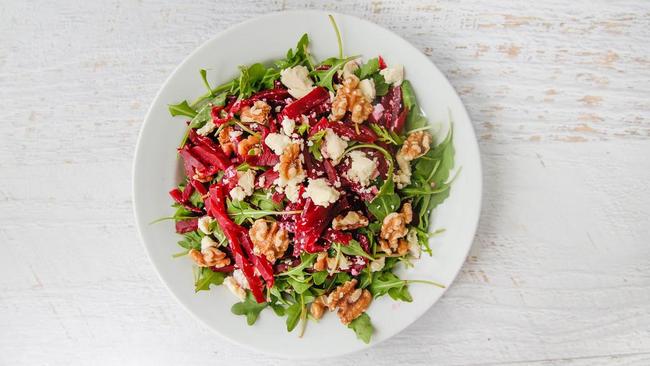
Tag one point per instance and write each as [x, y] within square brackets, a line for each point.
[309, 226]
[398, 126]
[337, 236]
[230, 178]
[304, 105]
[190, 162]
[187, 192]
[365, 135]
[186, 226]
[332, 177]
[392, 103]
[199, 187]
[177, 196]
[382, 63]
[363, 241]
[224, 269]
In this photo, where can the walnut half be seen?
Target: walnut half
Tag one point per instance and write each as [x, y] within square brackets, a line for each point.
[416, 144]
[350, 98]
[393, 231]
[258, 113]
[352, 220]
[209, 257]
[268, 239]
[350, 301]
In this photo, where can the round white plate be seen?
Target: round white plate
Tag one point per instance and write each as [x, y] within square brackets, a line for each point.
[156, 171]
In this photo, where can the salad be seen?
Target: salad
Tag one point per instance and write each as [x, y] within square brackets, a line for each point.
[307, 184]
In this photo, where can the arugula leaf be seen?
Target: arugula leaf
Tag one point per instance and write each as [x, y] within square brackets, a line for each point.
[205, 112]
[325, 77]
[386, 202]
[181, 109]
[250, 79]
[300, 287]
[299, 56]
[240, 211]
[408, 95]
[362, 327]
[385, 281]
[293, 315]
[204, 77]
[208, 277]
[278, 309]
[415, 118]
[402, 294]
[306, 260]
[249, 307]
[317, 141]
[365, 278]
[319, 277]
[302, 128]
[263, 202]
[191, 240]
[354, 248]
[385, 135]
[381, 87]
[368, 69]
[338, 35]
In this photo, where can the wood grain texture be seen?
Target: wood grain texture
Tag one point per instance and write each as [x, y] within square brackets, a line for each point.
[559, 94]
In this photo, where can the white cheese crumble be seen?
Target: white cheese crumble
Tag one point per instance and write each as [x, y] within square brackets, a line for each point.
[368, 90]
[361, 169]
[334, 146]
[414, 245]
[349, 68]
[393, 75]
[238, 275]
[245, 186]
[207, 128]
[288, 125]
[403, 176]
[320, 192]
[208, 242]
[234, 134]
[234, 287]
[378, 264]
[277, 142]
[204, 224]
[297, 80]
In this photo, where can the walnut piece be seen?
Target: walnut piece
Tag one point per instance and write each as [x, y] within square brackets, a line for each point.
[249, 146]
[393, 229]
[416, 145]
[321, 262]
[227, 145]
[317, 308]
[350, 301]
[349, 97]
[352, 220]
[258, 113]
[290, 165]
[209, 257]
[268, 239]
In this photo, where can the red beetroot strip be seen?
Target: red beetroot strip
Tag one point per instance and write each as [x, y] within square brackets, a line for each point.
[240, 244]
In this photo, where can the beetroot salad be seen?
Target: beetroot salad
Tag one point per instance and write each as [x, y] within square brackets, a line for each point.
[307, 184]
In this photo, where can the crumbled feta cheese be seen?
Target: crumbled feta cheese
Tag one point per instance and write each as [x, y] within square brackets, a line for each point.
[393, 75]
[204, 224]
[245, 186]
[288, 125]
[292, 191]
[234, 287]
[261, 181]
[277, 142]
[320, 192]
[208, 242]
[334, 146]
[297, 80]
[377, 111]
[238, 275]
[414, 245]
[349, 68]
[207, 128]
[403, 175]
[368, 90]
[361, 169]
[234, 134]
[378, 264]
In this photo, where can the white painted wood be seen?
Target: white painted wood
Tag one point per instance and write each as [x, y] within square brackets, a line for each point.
[559, 93]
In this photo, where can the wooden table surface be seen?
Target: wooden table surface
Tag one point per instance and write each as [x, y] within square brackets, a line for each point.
[559, 95]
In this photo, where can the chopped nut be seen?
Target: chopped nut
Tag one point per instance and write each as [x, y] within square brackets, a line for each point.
[393, 229]
[227, 145]
[209, 257]
[321, 262]
[249, 146]
[350, 98]
[258, 113]
[268, 239]
[416, 145]
[290, 164]
[352, 220]
[317, 307]
[351, 302]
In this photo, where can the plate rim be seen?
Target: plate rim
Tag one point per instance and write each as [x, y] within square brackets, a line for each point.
[138, 153]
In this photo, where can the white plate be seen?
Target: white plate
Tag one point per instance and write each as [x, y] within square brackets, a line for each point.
[156, 171]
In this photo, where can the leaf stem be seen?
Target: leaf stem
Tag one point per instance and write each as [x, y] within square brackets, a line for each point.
[426, 282]
[338, 35]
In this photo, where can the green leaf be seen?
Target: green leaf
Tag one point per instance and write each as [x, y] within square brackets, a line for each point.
[299, 56]
[381, 87]
[306, 260]
[181, 109]
[319, 277]
[205, 112]
[191, 240]
[368, 69]
[204, 77]
[362, 327]
[408, 95]
[415, 118]
[386, 202]
[278, 309]
[250, 79]
[338, 35]
[385, 281]
[208, 277]
[240, 211]
[249, 307]
[401, 293]
[317, 141]
[385, 135]
[354, 248]
[260, 199]
[293, 315]
[325, 76]
[300, 287]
